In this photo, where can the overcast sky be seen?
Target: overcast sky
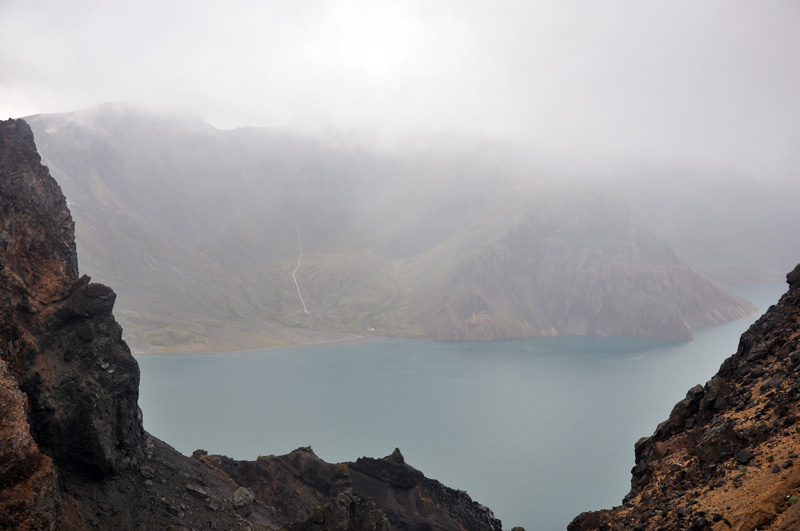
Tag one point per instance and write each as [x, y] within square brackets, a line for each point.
[715, 82]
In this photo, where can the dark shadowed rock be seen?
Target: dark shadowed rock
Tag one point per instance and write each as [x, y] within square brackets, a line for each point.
[303, 488]
[68, 356]
[29, 497]
[344, 511]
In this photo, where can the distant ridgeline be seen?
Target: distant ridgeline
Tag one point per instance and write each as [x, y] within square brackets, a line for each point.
[201, 230]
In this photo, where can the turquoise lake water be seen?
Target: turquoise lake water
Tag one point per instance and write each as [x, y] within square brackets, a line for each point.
[538, 430]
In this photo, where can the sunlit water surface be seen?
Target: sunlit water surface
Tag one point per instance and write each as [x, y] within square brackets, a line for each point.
[538, 430]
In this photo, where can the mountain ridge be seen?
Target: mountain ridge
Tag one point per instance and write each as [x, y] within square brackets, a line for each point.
[196, 225]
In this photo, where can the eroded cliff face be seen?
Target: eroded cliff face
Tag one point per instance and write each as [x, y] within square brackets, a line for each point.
[70, 380]
[73, 451]
[727, 456]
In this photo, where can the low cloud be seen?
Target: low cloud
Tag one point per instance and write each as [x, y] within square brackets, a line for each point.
[713, 83]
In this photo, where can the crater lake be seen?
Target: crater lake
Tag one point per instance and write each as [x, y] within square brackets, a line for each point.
[538, 430]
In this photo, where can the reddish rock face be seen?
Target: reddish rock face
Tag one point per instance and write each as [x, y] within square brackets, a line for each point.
[29, 497]
[31, 274]
[61, 342]
[56, 330]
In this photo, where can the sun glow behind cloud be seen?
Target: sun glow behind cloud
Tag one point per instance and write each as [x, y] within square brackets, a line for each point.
[714, 82]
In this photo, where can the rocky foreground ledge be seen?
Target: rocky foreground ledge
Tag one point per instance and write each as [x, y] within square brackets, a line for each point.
[73, 452]
[727, 457]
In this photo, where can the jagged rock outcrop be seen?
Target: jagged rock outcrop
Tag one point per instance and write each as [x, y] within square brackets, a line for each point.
[70, 381]
[57, 328]
[344, 510]
[303, 488]
[726, 457]
[73, 451]
[401, 489]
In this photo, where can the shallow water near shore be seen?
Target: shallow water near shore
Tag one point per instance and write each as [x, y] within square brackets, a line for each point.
[538, 430]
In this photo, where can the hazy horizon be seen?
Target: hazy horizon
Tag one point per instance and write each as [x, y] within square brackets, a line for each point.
[711, 84]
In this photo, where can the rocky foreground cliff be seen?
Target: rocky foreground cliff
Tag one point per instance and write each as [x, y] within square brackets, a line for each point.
[727, 457]
[73, 452]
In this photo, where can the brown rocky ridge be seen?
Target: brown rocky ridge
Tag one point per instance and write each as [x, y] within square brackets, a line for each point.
[73, 451]
[727, 456]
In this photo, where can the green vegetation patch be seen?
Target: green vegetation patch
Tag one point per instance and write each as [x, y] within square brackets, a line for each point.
[172, 336]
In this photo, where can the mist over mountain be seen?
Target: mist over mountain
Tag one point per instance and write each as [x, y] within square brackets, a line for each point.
[733, 228]
[201, 231]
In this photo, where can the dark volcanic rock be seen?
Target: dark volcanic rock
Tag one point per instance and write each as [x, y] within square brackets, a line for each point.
[344, 511]
[303, 488]
[29, 497]
[61, 341]
[84, 392]
[409, 498]
[720, 449]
